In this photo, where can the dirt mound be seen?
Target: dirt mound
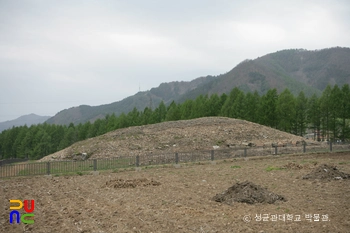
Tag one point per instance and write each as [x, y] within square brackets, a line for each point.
[295, 166]
[178, 136]
[247, 192]
[120, 183]
[326, 172]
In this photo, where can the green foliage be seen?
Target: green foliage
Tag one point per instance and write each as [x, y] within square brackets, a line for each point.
[328, 116]
[286, 111]
[300, 123]
[271, 168]
[313, 116]
[267, 109]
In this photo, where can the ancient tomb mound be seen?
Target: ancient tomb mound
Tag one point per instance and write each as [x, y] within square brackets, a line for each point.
[326, 172]
[247, 192]
[120, 183]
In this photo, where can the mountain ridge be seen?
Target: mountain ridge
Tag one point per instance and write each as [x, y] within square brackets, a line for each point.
[165, 92]
[30, 119]
[295, 69]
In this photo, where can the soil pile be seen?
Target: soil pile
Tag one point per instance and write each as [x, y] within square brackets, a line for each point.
[120, 183]
[178, 136]
[247, 192]
[295, 166]
[326, 172]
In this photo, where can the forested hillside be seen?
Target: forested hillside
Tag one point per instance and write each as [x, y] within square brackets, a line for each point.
[295, 69]
[328, 116]
[166, 92]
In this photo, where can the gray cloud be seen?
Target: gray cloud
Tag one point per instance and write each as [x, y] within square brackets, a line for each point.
[58, 54]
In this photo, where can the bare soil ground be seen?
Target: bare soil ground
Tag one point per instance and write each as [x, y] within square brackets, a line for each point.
[178, 136]
[169, 199]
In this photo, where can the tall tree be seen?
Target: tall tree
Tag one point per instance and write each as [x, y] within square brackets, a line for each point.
[112, 123]
[228, 108]
[134, 117]
[285, 108]
[344, 112]
[267, 109]
[335, 102]
[325, 110]
[214, 105]
[199, 107]
[173, 112]
[251, 106]
[238, 106]
[123, 121]
[160, 113]
[186, 109]
[314, 116]
[146, 116]
[301, 114]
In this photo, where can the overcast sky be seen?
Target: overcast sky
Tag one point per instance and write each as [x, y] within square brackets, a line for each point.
[59, 54]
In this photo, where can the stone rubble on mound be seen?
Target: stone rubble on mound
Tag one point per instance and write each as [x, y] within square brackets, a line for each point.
[326, 172]
[247, 192]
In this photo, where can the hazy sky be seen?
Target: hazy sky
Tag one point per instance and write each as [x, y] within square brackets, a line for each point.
[59, 54]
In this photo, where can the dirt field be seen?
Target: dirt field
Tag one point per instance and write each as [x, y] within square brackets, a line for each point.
[169, 199]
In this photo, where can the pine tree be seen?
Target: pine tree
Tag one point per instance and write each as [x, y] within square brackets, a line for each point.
[301, 114]
[228, 107]
[325, 110]
[199, 107]
[314, 116]
[267, 109]
[285, 109]
[344, 112]
[335, 114]
[238, 106]
[214, 105]
[252, 102]
[186, 109]
[161, 112]
[173, 112]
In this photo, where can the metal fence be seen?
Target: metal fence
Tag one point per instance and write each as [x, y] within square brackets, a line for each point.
[9, 161]
[69, 166]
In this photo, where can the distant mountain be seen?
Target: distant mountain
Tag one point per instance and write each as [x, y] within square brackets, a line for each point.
[31, 119]
[166, 92]
[295, 69]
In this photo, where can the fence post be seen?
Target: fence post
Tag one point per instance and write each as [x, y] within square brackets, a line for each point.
[176, 158]
[137, 160]
[48, 168]
[245, 152]
[212, 155]
[304, 147]
[330, 146]
[275, 150]
[95, 164]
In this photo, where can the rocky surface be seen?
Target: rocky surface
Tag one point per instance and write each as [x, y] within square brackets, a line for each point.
[247, 192]
[326, 172]
[178, 136]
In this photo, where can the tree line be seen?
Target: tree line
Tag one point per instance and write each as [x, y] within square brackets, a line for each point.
[327, 116]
